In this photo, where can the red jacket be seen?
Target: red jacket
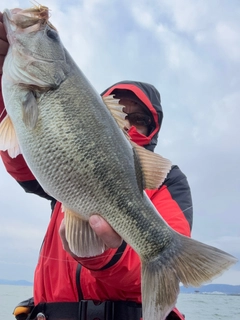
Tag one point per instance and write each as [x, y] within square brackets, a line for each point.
[114, 275]
[56, 271]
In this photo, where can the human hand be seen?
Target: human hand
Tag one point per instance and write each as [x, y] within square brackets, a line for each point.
[3, 43]
[101, 228]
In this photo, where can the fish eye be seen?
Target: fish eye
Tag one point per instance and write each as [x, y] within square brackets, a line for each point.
[52, 34]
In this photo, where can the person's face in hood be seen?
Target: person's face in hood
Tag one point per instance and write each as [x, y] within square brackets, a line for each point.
[149, 97]
[136, 115]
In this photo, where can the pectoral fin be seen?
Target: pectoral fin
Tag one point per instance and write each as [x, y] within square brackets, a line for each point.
[8, 138]
[30, 110]
[82, 240]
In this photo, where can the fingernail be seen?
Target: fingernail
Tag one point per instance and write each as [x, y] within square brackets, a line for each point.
[95, 221]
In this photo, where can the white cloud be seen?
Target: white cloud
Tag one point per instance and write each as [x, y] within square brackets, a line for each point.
[188, 16]
[218, 122]
[228, 37]
[143, 16]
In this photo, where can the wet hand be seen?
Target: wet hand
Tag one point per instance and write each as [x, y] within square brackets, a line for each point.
[101, 228]
[3, 43]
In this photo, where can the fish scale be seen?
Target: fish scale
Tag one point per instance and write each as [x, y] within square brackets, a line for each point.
[81, 156]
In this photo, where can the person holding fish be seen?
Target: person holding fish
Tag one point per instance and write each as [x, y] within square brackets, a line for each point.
[95, 273]
[61, 278]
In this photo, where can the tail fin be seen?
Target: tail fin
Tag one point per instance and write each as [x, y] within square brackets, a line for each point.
[185, 260]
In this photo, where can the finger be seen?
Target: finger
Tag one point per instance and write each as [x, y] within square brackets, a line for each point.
[3, 47]
[1, 63]
[3, 34]
[105, 231]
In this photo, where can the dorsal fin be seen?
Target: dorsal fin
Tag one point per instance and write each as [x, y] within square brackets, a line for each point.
[154, 167]
[8, 138]
[116, 110]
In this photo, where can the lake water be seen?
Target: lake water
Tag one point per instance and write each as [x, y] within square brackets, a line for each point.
[194, 306]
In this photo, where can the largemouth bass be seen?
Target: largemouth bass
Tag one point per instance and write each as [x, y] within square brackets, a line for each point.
[75, 145]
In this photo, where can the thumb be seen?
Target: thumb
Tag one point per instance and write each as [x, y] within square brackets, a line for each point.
[109, 236]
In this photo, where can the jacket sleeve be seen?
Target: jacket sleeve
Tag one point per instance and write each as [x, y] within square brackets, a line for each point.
[104, 261]
[16, 167]
[174, 202]
[19, 170]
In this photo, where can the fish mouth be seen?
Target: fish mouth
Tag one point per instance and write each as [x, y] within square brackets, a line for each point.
[8, 21]
[24, 18]
[25, 21]
[21, 27]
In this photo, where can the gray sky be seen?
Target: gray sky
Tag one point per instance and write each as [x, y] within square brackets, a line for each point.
[190, 51]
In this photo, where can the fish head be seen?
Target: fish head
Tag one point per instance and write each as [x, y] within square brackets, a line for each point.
[36, 56]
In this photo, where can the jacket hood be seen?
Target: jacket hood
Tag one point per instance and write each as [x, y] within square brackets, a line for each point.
[150, 96]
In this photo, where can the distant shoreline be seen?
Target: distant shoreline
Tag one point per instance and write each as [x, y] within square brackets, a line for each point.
[213, 289]
[15, 282]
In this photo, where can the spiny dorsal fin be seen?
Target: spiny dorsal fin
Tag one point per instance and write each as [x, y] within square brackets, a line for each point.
[154, 167]
[8, 138]
[116, 110]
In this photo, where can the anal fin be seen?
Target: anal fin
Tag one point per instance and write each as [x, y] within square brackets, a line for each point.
[82, 240]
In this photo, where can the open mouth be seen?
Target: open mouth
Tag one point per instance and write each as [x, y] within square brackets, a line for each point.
[27, 20]
[24, 21]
